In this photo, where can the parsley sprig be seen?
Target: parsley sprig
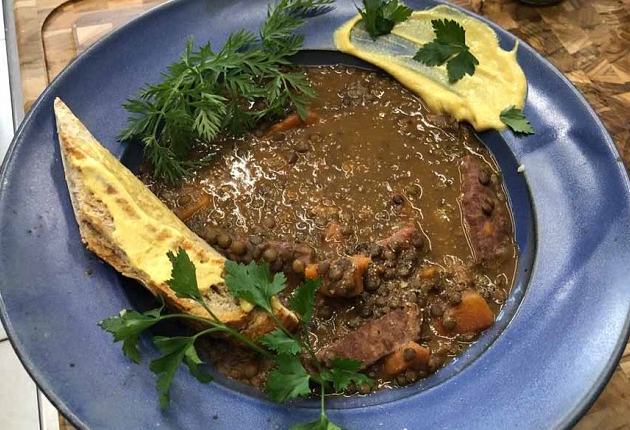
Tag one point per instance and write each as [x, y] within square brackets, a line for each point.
[380, 16]
[230, 90]
[130, 324]
[289, 379]
[448, 47]
[515, 119]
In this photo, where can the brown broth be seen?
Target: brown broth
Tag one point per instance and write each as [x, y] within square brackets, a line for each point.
[374, 145]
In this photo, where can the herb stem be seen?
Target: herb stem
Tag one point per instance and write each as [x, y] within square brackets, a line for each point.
[207, 331]
[322, 399]
[247, 341]
[217, 325]
[281, 326]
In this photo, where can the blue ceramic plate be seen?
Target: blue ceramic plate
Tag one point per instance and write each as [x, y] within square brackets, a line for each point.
[541, 366]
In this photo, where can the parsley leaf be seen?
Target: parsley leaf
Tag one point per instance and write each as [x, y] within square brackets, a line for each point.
[435, 54]
[449, 32]
[303, 300]
[128, 326]
[175, 350]
[192, 361]
[323, 423]
[253, 283]
[183, 276]
[289, 380]
[448, 47]
[280, 342]
[380, 16]
[462, 64]
[343, 372]
[515, 119]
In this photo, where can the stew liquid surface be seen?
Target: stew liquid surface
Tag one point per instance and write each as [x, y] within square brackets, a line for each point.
[402, 213]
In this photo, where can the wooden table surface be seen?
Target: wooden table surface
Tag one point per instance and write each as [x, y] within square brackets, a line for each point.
[589, 41]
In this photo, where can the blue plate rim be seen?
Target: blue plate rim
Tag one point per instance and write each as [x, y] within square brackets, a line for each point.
[32, 370]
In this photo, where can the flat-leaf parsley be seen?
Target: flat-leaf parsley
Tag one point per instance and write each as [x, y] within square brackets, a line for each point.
[288, 379]
[448, 47]
[515, 119]
[380, 17]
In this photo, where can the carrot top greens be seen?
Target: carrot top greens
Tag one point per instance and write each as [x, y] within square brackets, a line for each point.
[210, 92]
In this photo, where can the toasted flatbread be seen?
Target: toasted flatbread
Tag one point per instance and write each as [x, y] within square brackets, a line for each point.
[126, 225]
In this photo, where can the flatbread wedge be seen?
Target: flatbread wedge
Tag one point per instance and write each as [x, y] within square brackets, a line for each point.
[126, 225]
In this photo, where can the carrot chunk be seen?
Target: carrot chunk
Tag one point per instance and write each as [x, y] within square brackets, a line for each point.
[411, 356]
[360, 264]
[429, 273]
[472, 315]
[189, 211]
[292, 121]
[310, 271]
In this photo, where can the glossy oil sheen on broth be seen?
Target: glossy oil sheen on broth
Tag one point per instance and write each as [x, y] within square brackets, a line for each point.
[375, 161]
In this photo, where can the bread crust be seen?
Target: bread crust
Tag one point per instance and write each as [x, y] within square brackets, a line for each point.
[111, 205]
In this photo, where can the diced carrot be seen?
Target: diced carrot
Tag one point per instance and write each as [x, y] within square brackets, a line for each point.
[428, 273]
[472, 315]
[361, 261]
[189, 211]
[310, 271]
[292, 121]
[396, 363]
[360, 264]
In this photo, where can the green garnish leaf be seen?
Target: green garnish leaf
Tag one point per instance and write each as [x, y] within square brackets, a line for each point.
[435, 54]
[515, 119]
[343, 372]
[230, 90]
[303, 300]
[253, 283]
[462, 64]
[380, 16]
[281, 343]
[449, 32]
[289, 380]
[128, 326]
[183, 276]
[323, 423]
[175, 350]
[192, 361]
[448, 47]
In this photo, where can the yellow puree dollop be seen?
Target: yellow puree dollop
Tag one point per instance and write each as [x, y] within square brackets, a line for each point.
[498, 81]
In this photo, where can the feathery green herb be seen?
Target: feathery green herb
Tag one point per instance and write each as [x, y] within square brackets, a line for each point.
[209, 92]
[289, 379]
[380, 16]
[448, 47]
[515, 119]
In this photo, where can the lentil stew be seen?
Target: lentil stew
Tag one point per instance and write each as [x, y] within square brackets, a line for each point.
[401, 212]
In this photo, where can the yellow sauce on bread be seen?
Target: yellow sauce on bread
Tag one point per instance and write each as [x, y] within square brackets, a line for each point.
[498, 81]
[130, 216]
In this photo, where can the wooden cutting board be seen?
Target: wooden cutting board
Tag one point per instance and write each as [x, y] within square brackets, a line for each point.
[587, 40]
